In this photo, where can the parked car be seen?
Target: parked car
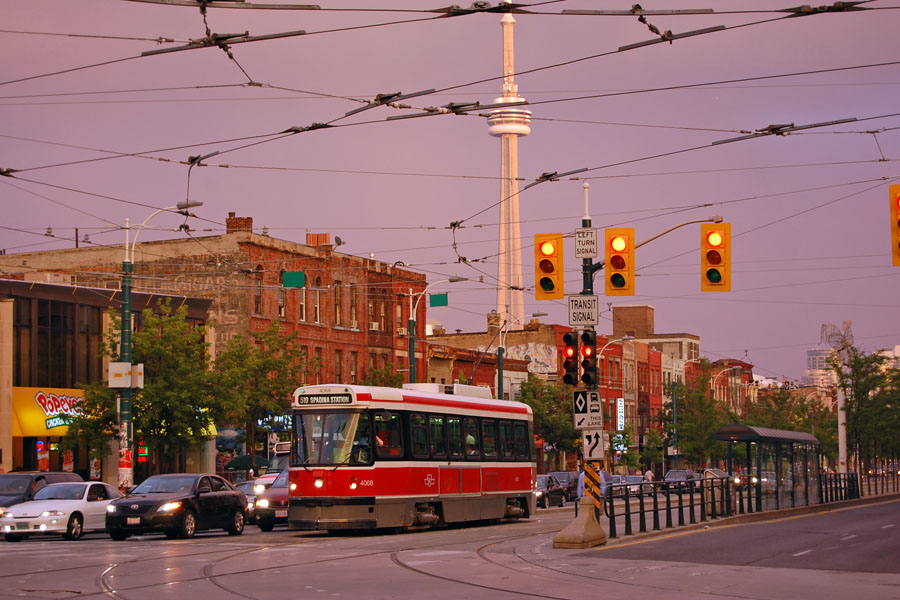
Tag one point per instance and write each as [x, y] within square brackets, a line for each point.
[678, 479]
[248, 488]
[638, 485]
[272, 504]
[20, 486]
[569, 482]
[179, 505]
[549, 492]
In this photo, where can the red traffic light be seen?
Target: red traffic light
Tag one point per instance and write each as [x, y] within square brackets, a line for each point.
[568, 352]
[587, 351]
[619, 243]
[714, 238]
[547, 248]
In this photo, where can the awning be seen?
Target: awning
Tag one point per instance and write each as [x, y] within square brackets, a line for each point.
[749, 433]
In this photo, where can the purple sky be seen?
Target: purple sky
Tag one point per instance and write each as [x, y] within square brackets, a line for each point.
[809, 211]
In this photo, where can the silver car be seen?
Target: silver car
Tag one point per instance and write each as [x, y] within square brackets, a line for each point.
[248, 487]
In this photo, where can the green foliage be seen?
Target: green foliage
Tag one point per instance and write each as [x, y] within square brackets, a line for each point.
[698, 417]
[654, 447]
[551, 404]
[256, 378]
[630, 459]
[384, 377]
[786, 409]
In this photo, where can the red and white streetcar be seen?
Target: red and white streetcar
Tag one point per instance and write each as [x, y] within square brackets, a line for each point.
[372, 457]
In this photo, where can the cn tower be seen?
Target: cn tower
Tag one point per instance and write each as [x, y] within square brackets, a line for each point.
[508, 124]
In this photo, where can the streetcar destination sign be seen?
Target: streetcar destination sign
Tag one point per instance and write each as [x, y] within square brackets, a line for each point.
[325, 399]
[583, 310]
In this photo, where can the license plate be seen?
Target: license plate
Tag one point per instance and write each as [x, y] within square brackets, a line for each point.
[22, 525]
[133, 521]
[281, 514]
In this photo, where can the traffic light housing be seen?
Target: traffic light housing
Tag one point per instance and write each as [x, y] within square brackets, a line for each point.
[715, 257]
[570, 358]
[895, 224]
[589, 372]
[619, 263]
[548, 266]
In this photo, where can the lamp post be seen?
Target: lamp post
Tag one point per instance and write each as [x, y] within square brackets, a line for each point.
[624, 338]
[675, 415]
[713, 387]
[501, 350]
[126, 433]
[413, 309]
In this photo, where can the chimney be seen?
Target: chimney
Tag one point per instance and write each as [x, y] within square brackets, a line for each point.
[233, 223]
[318, 239]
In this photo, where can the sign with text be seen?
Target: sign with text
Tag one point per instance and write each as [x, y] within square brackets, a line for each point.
[620, 414]
[587, 412]
[585, 242]
[583, 310]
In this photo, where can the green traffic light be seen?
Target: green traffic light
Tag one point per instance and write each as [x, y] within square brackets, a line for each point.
[617, 280]
[714, 276]
[547, 284]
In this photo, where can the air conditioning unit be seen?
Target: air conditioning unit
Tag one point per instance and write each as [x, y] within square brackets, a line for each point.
[401, 331]
[354, 325]
[373, 326]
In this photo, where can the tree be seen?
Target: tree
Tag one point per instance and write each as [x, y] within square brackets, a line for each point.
[654, 445]
[257, 376]
[553, 413]
[384, 377]
[699, 416]
[622, 440]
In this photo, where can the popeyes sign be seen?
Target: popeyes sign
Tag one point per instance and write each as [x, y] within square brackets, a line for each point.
[45, 411]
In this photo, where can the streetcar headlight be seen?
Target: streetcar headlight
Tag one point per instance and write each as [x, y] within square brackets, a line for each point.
[319, 482]
[293, 487]
[353, 483]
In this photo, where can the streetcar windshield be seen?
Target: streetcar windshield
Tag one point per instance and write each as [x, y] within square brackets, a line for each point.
[333, 438]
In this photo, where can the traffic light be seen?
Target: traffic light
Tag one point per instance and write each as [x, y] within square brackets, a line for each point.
[715, 257]
[548, 266]
[619, 263]
[570, 358]
[589, 372]
[895, 224]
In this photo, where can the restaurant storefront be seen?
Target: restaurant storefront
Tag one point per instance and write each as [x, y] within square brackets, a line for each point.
[50, 342]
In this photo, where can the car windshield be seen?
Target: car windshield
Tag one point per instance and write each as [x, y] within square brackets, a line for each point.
[562, 477]
[165, 485]
[12, 484]
[246, 487]
[615, 479]
[282, 480]
[634, 479]
[333, 438]
[61, 491]
[676, 475]
[542, 481]
[279, 463]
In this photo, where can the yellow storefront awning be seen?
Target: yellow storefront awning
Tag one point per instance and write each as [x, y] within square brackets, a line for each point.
[44, 412]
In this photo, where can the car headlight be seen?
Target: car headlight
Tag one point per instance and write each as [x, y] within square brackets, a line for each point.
[538, 493]
[262, 503]
[737, 481]
[52, 513]
[169, 507]
[754, 480]
[110, 508]
[259, 488]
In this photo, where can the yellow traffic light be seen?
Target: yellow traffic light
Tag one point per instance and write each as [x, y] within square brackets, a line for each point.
[895, 224]
[548, 266]
[715, 257]
[619, 264]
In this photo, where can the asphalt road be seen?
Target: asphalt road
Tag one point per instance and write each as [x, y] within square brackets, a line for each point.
[846, 553]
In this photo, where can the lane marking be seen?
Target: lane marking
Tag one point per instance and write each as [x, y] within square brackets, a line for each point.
[887, 526]
[802, 553]
[849, 537]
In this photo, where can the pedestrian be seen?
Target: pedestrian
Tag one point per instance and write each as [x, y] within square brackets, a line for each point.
[579, 491]
[649, 475]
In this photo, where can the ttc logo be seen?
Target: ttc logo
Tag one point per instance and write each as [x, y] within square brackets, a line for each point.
[429, 480]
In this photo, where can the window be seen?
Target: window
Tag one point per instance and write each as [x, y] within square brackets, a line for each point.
[438, 435]
[455, 436]
[317, 308]
[318, 366]
[257, 291]
[388, 441]
[55, 344]
[470, 429]
[507, 447]
[301, 301]
[337, 304]
[489, 438]
[354, 366]
[520, 436]
[419, 435]
[399, 312]
[217, 484]
[338, 371]
[382, 317]
[22, 337]
[306, 365]
[353, 299]
[281, 295]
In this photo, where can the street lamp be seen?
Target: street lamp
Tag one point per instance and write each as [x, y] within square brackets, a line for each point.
[500, 351]
[126, 434]
[713, 386]
[624, 338]
[413, 309]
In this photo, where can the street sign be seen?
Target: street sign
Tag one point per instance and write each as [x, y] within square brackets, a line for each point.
[592, 445]
[588, 413]
[583, 310]
[585, 242]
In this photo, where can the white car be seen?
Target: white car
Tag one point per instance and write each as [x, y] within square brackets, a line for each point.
[68, 509]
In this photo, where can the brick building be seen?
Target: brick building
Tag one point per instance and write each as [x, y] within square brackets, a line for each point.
[351, 315]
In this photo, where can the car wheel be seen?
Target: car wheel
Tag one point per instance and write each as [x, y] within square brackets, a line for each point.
[117, 536]
[237, 523]
[265, 524]
[74, 528]
[11, 537]
[188, 526]
[562, 501]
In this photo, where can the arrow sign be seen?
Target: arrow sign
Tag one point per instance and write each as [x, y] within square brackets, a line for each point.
[592, 444]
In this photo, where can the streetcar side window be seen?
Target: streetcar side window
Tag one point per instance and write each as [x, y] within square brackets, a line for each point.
[418, 435]
[455, 434]
[507, 449]
[388, 441]
[489, 437]
[438, 435]
[470, 429]
[520, 435]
